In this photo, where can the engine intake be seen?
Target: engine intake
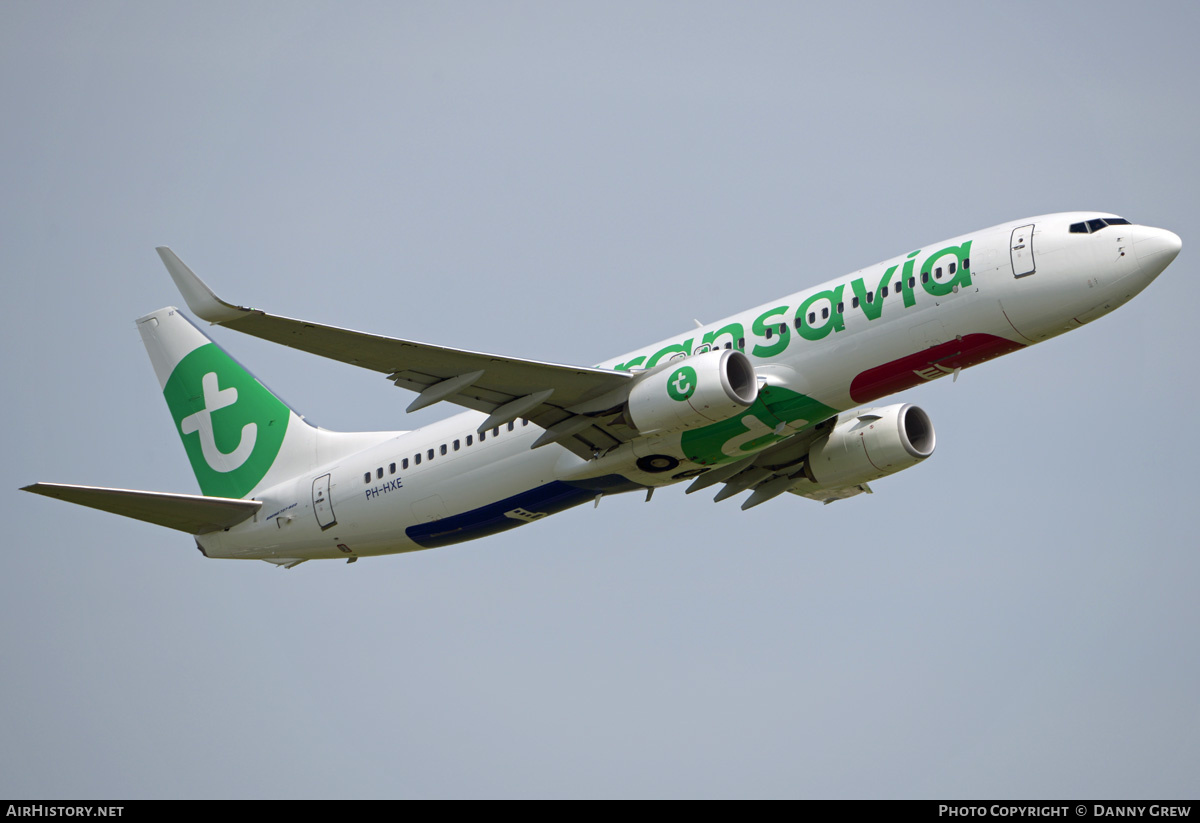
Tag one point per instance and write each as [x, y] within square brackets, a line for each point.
[694, 391]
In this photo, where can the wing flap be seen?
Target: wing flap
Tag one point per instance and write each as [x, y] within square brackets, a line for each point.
[191, 513]
[773, 471]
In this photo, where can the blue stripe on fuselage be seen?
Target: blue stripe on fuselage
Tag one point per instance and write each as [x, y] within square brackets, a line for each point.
[548, 499]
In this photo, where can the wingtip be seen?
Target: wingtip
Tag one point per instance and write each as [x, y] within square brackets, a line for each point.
[199, 297]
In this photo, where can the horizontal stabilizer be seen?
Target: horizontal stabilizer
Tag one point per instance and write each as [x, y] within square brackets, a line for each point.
[189, 513]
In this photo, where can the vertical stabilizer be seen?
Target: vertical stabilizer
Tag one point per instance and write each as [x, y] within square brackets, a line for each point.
[238, 435]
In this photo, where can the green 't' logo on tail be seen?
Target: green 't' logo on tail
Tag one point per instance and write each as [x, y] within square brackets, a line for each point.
[232, 426]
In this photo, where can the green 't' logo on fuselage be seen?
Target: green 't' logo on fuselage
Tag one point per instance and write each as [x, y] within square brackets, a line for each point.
[682, 383]
[231, 426]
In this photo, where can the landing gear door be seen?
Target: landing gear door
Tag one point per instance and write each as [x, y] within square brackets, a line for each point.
[1021, 251]
[323, 503]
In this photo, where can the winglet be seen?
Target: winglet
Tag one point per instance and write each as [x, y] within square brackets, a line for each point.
[199, 297]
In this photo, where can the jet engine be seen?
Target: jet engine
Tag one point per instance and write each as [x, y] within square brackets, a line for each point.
[694, 391]
[871, 444]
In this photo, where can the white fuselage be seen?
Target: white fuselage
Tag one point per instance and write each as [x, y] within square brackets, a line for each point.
[838, 345]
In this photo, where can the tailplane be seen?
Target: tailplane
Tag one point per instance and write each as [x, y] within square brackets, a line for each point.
[184, 512]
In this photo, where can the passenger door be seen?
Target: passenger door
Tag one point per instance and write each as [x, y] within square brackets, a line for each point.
[1021, 251]
[323, 503]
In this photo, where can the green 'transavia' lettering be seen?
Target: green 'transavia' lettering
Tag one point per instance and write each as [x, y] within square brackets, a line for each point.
[684, 348]
[826, 318]
[940, 274]
[735, 331]
[946, 273]
[782, 329]
[872, 307]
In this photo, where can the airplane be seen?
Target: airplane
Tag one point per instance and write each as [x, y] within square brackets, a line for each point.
[769, 401]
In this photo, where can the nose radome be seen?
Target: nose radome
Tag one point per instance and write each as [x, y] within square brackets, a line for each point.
[1157, 247]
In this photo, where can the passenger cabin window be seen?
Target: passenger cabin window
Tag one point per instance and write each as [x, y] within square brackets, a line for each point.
[429, 454]
[854, 302]
[443, 449]
[468, 439]
[367, 477]
[379, 472]
[511, 425]
[953, 267]
[825, 313]
[404, 463]
[417, 459]
[456, 445]
[391, 468]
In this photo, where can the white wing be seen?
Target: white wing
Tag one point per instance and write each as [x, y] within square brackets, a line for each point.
[579, 407]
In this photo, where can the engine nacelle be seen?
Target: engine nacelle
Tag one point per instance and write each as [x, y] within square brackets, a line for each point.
[694, 391]
[871, 444]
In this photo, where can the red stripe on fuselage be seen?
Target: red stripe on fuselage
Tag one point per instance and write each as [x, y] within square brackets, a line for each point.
[928, 364]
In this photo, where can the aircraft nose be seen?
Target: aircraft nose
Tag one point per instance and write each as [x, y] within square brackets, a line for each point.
[1156, 248]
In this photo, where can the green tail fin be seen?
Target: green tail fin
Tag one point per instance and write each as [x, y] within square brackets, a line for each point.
[231, 425]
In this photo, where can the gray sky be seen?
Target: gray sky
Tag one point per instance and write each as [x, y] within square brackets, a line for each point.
[1016, 617]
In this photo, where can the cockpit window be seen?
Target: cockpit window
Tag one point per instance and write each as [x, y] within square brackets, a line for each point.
[1093, 226]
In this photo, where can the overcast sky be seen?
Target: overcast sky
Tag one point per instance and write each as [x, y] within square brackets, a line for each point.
[1015, 617]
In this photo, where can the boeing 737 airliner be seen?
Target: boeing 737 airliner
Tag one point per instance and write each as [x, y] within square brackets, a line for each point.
[756, 403]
